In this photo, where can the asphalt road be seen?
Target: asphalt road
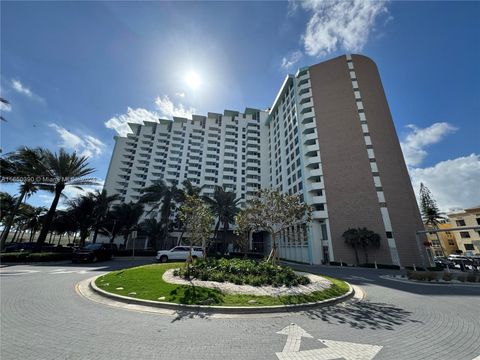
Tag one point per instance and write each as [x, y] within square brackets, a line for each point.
[43, 317]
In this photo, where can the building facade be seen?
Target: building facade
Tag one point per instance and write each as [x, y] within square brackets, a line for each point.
[468, 240]
[443, 243]
[328, 137]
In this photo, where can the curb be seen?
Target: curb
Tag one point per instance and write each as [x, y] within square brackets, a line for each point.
[432, 283]
[222, 309]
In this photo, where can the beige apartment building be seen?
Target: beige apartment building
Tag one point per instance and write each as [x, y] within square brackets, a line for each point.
[445, 244]
[468, 240]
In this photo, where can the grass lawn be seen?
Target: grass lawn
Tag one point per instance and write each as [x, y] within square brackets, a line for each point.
[147, 283]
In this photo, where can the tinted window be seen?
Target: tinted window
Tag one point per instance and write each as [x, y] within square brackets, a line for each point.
[179, 248]
[93, 246]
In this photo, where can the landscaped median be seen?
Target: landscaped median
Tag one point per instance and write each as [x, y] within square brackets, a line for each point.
[146, 285]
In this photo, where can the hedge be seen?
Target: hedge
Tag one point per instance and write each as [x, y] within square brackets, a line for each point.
[380, 266]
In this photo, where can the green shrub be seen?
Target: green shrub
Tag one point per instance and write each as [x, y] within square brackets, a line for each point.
[462, 278]
[472, 278]
[244, 271]
[447, 276]
[430, 275]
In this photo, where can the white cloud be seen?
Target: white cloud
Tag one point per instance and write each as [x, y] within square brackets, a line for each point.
[454, 183]
[168, 109]
[20, 88]
[291, 60]
[5, 107]
[339, 24]
[418, 139]
[120, 122]
[180, 94]
[86, 145]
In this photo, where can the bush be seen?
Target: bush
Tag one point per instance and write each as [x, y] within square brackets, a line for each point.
[472, 278]
[419, 268]
[244, 271]
[34, 257]
[447, 276]
[435, 268]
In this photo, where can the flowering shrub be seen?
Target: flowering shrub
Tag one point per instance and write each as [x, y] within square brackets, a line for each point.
[241, 271]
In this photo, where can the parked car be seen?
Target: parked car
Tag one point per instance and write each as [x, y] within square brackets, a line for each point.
[443, 262]
[93, 253]
[179, 253]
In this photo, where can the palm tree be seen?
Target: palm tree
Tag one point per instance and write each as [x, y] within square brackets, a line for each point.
[224, 206]
[160, 195]
[6, 102]
[153, 229]
[368, 239]
[431, 214]
[64, 223]
[34, 220]
[7, 204]
[127, 217]
[62, 169]
[82, 211]
[102, 205]
[25, 166]
[352, 238]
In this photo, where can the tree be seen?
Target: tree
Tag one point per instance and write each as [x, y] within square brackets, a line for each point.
[198, 220]
[352, 238]
[160, 195]
[34, 220]
[127, 217]
[188, 190]
[82, 212]
[243, 228]
[431, 214]
[62, 169]
[24, 166]
[102, 202]
[7, 104]
[274, 212]
[224, 206]
[361, 238]
[153, 229]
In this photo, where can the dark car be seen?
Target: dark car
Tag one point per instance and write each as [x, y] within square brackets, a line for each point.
[93, 253]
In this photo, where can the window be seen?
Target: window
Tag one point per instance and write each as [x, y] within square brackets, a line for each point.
[468, 246]
[389, 235]
[478, 221]
[460, 222]
[464, 234]
[451, 242]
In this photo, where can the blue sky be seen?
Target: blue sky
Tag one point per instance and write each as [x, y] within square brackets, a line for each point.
[76, 71]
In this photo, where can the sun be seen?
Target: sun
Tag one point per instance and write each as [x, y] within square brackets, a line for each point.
[193, 80]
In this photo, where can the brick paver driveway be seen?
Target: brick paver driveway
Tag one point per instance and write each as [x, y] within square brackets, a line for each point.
[42, 317]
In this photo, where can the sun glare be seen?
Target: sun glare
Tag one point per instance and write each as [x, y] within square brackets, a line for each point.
[193, 80]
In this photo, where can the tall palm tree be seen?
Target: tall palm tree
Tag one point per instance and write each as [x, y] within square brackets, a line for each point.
[127, 217]
[34, 220]
[224, 206]
[82, 211]
[7, 204]
[160, 195]
[102, 206]
[62, 169]
[64, 223]
[25, 166]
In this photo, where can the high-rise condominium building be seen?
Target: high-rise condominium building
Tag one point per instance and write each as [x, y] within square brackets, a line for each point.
[328, 137]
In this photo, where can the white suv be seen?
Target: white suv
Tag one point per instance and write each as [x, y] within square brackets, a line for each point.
[179, 253]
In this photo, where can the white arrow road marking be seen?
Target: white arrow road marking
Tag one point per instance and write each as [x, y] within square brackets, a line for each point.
[62, 271]
[333, 349]
[294, 337]
[17, 272]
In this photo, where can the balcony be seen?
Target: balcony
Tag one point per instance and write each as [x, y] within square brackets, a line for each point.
[314, 173]
[304, 86]
[312, 160]
[315, 186]
[322, 214]
[310, 136]
[310, 125]
[318, 199]
[304, 77]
